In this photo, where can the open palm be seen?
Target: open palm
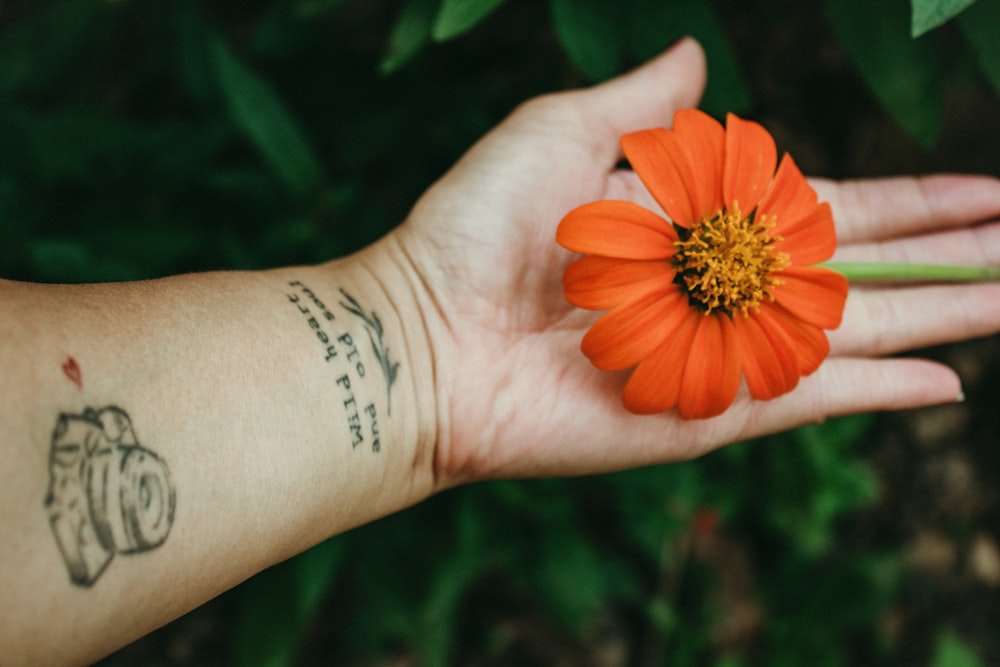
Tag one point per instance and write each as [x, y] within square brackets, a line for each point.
[517, 396]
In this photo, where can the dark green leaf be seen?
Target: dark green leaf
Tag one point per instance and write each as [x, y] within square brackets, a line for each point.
[904, 74]
[588, 31]
[194, 60]
[458, 16]
[929, 14]
[654, 25]
[951, 651]
[575, 577]
[315, 570]
[813, 480]
[87, 144]
[410, 33]
[450, 582]
[981, 27]
[816, 605]
[52, 37]
[260, 113]
[71, 143]
[61, 261]
[276, 605]
[152, 247]
[310, 8]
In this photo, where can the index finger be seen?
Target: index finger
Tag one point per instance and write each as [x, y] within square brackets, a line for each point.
[880, 209]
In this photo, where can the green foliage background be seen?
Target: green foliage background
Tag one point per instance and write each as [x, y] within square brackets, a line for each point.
[140, 138]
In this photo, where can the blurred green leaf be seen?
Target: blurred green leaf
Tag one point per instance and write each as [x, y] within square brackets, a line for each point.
[277, 32]
[311, 8]
[589, 32]
[149, 249]
[70, 143]
[410, 33]
[451, 580]
[662, 616]
[276, 605]
[192, 51]
[551, 552]
[575, 577]
[596, 34]
[458, 16]
[259, 112]
[929, 14]
[84, 144]
[904, 74]
[51, 38]
[817, 605]
[62, 261]
[314, 571]
[655, 503]
[951, 651]
[813, 480]
[980, 25]
[13, 232]
[654, 25]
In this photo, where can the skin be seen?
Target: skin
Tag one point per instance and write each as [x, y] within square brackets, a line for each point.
[225, 378]
[520, 315]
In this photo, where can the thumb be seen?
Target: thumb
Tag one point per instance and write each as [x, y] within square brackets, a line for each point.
[649, 95]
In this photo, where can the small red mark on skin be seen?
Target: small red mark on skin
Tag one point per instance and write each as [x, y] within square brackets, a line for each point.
[72, 370]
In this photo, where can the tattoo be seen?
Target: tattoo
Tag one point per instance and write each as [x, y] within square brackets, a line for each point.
[107, 493]
[340, 350]
[373, 327]
[71, 369]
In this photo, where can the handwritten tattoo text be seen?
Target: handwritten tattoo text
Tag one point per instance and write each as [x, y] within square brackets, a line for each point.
[340, 349]
[373, 327]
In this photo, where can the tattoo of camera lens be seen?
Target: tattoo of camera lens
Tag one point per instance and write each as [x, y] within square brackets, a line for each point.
[107, 493]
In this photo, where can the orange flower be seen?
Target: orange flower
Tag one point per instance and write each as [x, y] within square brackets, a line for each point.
[726, 289]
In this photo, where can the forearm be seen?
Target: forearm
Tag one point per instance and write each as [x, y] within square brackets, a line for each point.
[268, 411]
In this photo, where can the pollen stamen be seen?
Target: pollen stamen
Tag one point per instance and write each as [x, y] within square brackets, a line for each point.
[727, 261]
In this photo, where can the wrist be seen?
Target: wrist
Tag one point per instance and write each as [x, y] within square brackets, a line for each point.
[389, 365]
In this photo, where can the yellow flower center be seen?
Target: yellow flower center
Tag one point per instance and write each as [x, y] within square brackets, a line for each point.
[727, 262]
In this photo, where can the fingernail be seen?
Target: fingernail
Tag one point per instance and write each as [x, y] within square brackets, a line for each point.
[961, 397]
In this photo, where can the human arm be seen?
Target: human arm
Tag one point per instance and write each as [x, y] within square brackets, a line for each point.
[230, 388]
[247, 387]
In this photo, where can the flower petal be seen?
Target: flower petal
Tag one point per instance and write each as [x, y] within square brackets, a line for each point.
[812, 240]
[616, 229]
[712, 372]
[656, 383]
[810, 342]
[662, 165]
[770, 364]
[790, 198]
[750, 160]
[628, 334]
[600, 283]
[704, 142]
[813, 294]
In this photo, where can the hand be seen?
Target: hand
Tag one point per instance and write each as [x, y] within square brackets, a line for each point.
[517, 396]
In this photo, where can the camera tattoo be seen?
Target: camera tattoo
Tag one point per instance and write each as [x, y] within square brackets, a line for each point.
[107, 493]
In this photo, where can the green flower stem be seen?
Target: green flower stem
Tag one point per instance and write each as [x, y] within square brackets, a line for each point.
[889, 272]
